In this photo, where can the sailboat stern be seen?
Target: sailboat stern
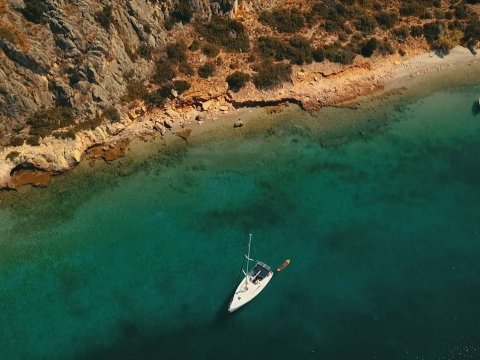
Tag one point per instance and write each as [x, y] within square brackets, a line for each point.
[251, 285]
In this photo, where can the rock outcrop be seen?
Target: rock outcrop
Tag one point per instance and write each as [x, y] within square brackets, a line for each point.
[65, 57]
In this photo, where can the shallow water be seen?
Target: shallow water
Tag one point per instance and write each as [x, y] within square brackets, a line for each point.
[383, 232]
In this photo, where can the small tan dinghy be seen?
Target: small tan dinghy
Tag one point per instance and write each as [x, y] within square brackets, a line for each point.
[284, 265]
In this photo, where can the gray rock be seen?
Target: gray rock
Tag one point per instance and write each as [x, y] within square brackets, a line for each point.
[239, 123]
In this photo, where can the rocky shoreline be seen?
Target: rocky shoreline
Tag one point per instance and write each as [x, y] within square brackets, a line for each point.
[312, 87]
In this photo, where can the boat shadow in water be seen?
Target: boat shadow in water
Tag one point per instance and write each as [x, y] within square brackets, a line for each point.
[222, 314]
[475, 108]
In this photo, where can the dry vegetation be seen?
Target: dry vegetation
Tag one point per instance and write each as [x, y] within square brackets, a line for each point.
[262, 47]
[300, 32]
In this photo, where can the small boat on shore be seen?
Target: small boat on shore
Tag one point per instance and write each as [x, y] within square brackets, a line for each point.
[284, 265]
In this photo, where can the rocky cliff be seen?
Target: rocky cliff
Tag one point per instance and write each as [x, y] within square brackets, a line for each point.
[80, 53]
[81, 78]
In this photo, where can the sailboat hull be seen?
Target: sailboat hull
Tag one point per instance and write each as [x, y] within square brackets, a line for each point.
[247, 291]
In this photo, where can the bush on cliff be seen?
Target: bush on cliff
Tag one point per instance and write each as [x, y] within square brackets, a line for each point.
[338, 54]
[387, 19]
[284, 20]
[135, 90]
[177, 52]
[368, 47]
[43, 122]
[206, 70]
[271, 75]
[164, 72]
[227, 33]
[366, 24]
[432, 31]
[158, 97]
[35, 10]
[183, 12]
[16, 141]
[297, 49]
[105, 16]
[111, 114]
[237, 80]
[181, 86]
[318, 54]
[210, 50]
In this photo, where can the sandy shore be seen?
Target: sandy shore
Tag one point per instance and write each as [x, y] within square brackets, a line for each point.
[313, 87]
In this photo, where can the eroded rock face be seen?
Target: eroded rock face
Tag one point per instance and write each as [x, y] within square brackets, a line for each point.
[70, 59]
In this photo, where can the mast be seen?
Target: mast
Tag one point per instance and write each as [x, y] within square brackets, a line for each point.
[248, 258]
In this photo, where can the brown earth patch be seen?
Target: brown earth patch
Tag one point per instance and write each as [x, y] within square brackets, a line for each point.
[31, 177]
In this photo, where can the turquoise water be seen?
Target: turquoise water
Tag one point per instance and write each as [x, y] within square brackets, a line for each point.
[383, 232]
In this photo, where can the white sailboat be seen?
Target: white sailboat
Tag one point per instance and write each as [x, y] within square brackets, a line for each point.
[253, 282]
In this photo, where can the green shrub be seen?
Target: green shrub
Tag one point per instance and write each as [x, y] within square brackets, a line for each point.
[145, 51]
[34, 140]
[227, 33]
[338, 54]
[186, 69]
[401, 33]
[210, 50]
[387, 20]
[432, 31]
[271, 47]
[194, 46]
[368, 47]
[237, 80]
[159, 97]
[164, 72]
[386, 48]
[441, 47]
[297, 49]
[111, 114]
[416, 31]
[284, 20]
[366, 24]
[318, 54]
[43, 122]
[183, 12]
[181, 86]
[461, 11]
[135, 90]
[271, 75]
[177, 52]
[89, 123]
[471, 33]
[16, 141]
[206, 70]
[105, 16]
[34, 10]
[412, 8]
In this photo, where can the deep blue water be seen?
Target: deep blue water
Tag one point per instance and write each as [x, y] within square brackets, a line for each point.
[383, 232]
